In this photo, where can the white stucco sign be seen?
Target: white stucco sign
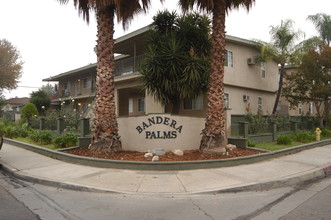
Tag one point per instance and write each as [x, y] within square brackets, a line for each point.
[165, 131]
[172, 131]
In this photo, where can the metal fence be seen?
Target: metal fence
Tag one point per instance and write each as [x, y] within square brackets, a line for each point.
[61, 125]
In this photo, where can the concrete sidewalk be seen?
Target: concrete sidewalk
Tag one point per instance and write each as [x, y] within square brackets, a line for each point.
[287, 170]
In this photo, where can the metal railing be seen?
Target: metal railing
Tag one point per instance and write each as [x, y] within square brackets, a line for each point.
[128, 65]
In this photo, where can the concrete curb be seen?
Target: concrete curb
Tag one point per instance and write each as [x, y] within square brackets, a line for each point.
[327, 169]
[57, 184]
[312, 175]
[315, 174]
[163, 166]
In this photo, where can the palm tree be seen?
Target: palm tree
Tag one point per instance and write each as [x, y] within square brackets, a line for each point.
[1, 135]
[177, 58]
[283, 49]
[322, 23]
[105, 136]
[213, 135]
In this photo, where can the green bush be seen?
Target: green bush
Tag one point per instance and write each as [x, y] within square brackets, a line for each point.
[41, 136]
[29, 110]
[21, 132]
[9, 132]
[325, 132]
[251, 143]
[13, 130]
[284, 139]
[2, 127]
[303, 136]
[65, 140]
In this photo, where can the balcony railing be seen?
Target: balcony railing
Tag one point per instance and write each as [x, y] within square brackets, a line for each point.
[128, 65]
[123, 67]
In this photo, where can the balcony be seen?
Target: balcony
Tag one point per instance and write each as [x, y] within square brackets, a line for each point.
[129, 65]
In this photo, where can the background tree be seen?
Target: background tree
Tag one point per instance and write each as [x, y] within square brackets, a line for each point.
[312, 83]
[10, 65]
[50, 90]
[284, 49]
[28, 111]
[41, 100]
[322, 24]
[213, 135]
[105, 134]
[2, 102]
[177, 64]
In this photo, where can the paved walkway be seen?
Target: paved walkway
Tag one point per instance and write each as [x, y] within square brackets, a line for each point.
[286, 170]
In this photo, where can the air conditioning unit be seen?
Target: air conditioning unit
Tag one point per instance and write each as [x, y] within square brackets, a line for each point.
[245, 98]
[251, 61]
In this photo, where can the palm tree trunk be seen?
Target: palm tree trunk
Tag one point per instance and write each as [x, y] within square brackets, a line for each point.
[105, 135]
[1, 141]
[175, 106]
[280, 86]
[213, 135]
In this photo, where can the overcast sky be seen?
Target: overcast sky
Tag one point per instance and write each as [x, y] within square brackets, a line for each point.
[53, 39]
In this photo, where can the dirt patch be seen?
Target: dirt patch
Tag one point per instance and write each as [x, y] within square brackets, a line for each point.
[189, 155]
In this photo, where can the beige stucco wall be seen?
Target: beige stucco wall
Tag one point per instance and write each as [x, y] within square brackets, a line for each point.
[238, 105]
[184, 132]
[249, 76]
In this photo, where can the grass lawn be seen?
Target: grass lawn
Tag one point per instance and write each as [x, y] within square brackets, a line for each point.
[29, 141]
[273, 146]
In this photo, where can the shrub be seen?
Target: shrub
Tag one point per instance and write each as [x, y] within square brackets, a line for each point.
[41, 137]
[12, 130]
[9, 132]
[21, 132]
[2, 127]
[284, 139]
[65, 140]
[250, 143]
[325, 132]
[29, 110]
[303, 136]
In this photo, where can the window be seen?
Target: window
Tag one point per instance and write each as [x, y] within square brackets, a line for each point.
[263, 69]
[78, 87]
[141, 104]
[259, 102]
[300, 108]
[279, 106]
[228, 58]
[226, 101]
[66, 91]
[310, 110]
[194, 104]
[130, 105]
[87, 83]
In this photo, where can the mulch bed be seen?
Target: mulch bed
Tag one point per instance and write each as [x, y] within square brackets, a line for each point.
[189, 155]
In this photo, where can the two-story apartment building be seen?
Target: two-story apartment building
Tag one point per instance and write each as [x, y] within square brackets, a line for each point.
[284, 108]
[246, 82]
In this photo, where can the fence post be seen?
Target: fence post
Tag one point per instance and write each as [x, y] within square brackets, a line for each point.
[294, 126]
[60, 125]
[84, 127]
[310, 125]
[243, 129]
[273, 130]
[42, 122]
